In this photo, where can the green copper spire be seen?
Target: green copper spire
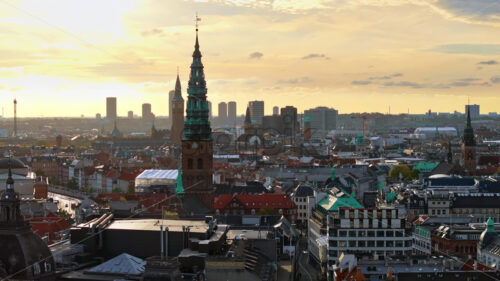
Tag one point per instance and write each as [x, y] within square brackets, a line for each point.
[197, 126]
[381, 185]
[490, 225]
[332, 174]
[179, 189]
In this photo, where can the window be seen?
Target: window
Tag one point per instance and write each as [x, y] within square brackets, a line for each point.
[352, 233]
[342, 233]
[352, 243]
[380, 234]
[361, 243]
[190, 164]
[380, 243]
[200, 163]
[389, 234]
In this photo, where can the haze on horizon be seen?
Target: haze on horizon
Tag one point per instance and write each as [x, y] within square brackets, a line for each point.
[63, 58]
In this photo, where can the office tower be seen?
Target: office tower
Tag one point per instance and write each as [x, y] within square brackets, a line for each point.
[322, 119]
[146, 111]
[130, 114]
[177, 106]
[290, 123]
[276, 110]
[111, 108]
[256, 111]
[231, 113]
[197, 145]
[222, 113]
[474, 110]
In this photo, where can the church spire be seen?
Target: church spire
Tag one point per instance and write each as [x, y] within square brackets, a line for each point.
[197, 126]
[178, 90]
[469, 131]
[10, 180]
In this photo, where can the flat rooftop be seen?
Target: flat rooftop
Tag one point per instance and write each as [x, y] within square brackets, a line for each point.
[198, 226]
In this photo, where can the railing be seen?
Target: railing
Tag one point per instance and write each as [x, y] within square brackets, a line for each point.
[68, 192]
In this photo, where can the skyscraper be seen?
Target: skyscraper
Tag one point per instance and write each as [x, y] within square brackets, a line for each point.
[231, 113]
[146, 111]
[130, 114]
[111, 108]
[177, 106]
[223, 113]
[256, 111]
[290, 124]
[197, 145]
[322, 119]
[474, 110]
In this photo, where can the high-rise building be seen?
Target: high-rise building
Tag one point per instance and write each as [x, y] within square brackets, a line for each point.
[231, 113]
[111, 108]
[146, 111]
[323, 120]
[469, 147]
[223, 113]
[177, 106]
[256, 111]
[130, 114]
[290, 124]
[276, 110]
[474, 110]
[197, 144]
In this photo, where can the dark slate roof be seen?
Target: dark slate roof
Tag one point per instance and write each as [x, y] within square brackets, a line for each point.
[14, 163]
[450, 181]
[122, 264]
[304, 191]
[476, 200]
[489, 185]
[250, 188]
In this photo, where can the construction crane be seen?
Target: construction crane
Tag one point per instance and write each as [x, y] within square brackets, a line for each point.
[364, 117]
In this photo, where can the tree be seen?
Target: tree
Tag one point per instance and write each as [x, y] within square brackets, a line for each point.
[40, 173]
[72, 184]
[404, 170]
[131, 188]
[116, 190]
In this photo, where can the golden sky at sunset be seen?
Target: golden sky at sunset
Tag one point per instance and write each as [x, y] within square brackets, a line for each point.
[63, 58]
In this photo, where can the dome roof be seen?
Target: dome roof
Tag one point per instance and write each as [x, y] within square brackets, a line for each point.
[24, 249]
[14, 163]
[488, 235]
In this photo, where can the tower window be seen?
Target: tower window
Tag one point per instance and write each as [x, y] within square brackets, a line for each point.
[190, 163]
[200, 163]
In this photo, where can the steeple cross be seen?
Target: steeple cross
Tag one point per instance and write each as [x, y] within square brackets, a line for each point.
[197, 20]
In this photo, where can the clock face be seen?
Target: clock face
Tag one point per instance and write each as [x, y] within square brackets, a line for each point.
[195, 145]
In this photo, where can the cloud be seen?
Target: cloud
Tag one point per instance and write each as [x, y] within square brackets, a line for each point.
[495, 79]
[294, 81]
[386, 77]
[256, 55]
[154, 31]
[316, 56]
[361, 82]
[464, 82]
[480, 49]
[489, 62]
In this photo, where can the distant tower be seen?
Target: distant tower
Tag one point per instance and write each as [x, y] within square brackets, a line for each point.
[197, 144]
[130, 114]
[257, 111]
[177, 105]
[469, 148]
[111, 108]
[276, 110]
[15, 118]
[231, 113]
[248, 121]
[146, 111]
[223, 113]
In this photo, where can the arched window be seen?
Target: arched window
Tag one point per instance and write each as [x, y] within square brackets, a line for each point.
[190, 163]
[200, 163]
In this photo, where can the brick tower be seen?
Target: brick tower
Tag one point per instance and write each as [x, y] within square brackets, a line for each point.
[197, 146]
[178, 113]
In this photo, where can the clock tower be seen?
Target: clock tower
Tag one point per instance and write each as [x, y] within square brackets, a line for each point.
[197, 146]
[469, 148]
[178, 113]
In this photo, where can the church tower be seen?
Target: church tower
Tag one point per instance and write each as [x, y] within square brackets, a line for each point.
[197, 146]
[178, 113]
[469, 148]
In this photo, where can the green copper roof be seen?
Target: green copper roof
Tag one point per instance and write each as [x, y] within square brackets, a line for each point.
[381, 185]
[490, 225]
[390, 196]
[196, 125]
[307, 119]
[332, 173]
[332, 203]
[179, 189]
[425, 166]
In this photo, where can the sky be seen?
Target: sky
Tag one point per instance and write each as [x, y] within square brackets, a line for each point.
[63, 58]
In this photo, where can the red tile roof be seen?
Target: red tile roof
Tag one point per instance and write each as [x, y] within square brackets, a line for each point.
[469, 266]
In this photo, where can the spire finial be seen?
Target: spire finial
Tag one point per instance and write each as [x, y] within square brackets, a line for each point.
[196, 21]
[177, 71]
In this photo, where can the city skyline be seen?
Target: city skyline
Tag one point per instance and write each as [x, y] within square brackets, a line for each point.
[70, 58]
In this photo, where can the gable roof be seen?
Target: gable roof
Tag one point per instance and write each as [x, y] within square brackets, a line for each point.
[122, 264]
